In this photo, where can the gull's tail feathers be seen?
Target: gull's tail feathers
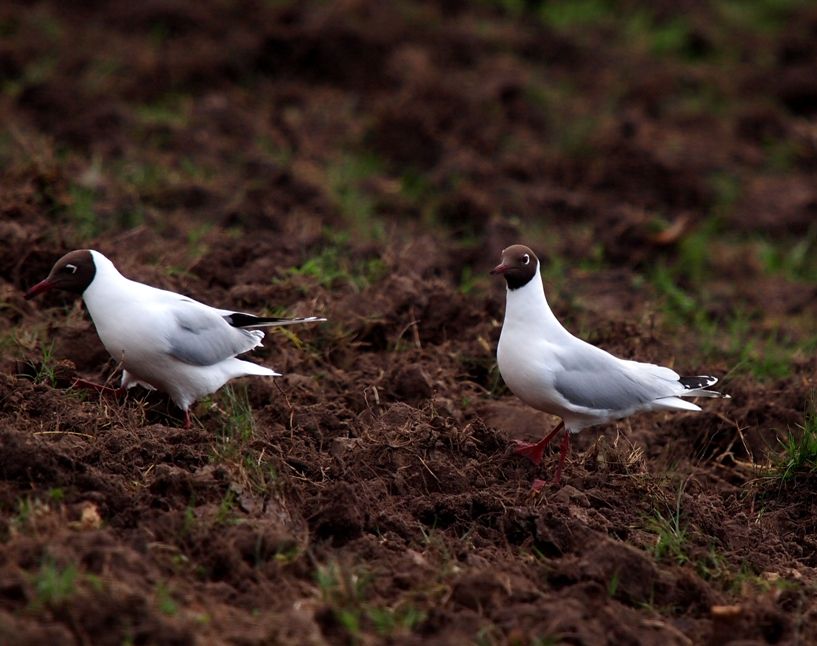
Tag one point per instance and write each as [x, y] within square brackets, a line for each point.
[241, 368]
[674, 403]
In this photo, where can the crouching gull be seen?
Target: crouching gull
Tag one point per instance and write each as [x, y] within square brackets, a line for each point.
[165, 341]
[550, 369]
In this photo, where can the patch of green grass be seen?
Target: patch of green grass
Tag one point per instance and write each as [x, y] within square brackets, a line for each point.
[101, 72]
[252, 472]
[45, 370]
[164, 600]
[612, 584]
[239, 427]
[82, 213]
[747, 581]
[780, 155]
[670, 38]
[345, 592]
[37, 71]
[87, 222]
[28, 510]
[400, 620]
[170, 111]
[671, 535]
[572, 125]
[147, 178]
[726, 191]
[226, 509]
[575, 13]
[189, 521]
[695, 251]
[796, 260]
[642, 30]
[764, 354]
[554, 272]
[54, 585]
[544, 641]
[416, 187]
[356, 204]
[800, 449]
[681, 308]
[765, 357]
[758, 15]
[713, 566]
[469, 280]
[488, 634]
[196, 246]
[334, 265]
[288, 554]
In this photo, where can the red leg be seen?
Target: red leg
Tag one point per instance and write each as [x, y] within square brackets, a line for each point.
[565, 449]
[534, 451]
[187, 422]
[84, 383]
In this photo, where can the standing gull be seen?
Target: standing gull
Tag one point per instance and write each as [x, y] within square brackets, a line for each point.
[550, 369]
[165, 341]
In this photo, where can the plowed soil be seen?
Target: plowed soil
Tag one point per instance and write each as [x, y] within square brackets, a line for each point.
[367, 161]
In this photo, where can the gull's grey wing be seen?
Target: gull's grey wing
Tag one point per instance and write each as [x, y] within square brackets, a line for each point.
[200, 336]
[595, 379]
[603, 391]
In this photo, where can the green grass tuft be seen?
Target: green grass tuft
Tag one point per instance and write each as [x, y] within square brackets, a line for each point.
[356, 204]
[334, 265]
[53, 585]
[796, 261]
[345, 592]
[671, 535]
[164, 600]
[45, 371]
[800, 449]
[239, 427]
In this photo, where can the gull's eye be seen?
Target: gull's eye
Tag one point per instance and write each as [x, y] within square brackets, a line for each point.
[71, 269]
[525, 259]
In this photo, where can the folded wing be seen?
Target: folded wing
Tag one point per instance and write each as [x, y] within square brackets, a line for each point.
[201, 336]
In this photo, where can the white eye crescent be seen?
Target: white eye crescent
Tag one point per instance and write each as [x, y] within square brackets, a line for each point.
[525, 259]
[71, 268]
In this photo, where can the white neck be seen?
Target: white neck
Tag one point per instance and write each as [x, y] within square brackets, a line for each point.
[528, 307]
[106, 287]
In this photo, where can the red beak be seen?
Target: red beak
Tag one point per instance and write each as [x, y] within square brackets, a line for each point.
[39, 288]
[500, 269]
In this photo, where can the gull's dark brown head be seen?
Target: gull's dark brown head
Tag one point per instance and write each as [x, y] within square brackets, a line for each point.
[518, 265]
[72, 273]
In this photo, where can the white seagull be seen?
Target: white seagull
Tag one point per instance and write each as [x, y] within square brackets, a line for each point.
[553, 371]
[165, 341]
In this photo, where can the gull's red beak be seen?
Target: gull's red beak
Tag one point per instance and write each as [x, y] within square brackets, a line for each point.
[500, 269]
[39, 288]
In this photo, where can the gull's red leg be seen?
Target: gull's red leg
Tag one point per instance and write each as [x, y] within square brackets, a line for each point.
[565, 449]
[187, 422]
[534, 451]
[84, 383]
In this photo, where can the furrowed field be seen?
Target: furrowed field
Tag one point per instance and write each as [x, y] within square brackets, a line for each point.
[367, 161]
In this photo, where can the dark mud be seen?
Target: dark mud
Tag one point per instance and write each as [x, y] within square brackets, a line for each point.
[367, 161]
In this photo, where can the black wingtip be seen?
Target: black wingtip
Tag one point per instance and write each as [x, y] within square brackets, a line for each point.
[700, 381]
[241, 320]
